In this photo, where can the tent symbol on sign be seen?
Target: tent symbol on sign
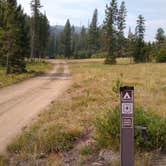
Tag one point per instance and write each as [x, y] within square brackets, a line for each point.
[127, 96]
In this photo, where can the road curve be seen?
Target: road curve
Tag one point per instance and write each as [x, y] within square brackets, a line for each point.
[22, 102]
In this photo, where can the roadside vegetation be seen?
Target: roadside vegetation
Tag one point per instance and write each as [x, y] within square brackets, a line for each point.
[94, 93]
[32, 69]
[153, 138]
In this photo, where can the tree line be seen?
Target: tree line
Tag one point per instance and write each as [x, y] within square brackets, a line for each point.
[108, 40]
[22, 36]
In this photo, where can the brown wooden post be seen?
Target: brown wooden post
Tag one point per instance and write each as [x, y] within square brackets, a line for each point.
[127, 126]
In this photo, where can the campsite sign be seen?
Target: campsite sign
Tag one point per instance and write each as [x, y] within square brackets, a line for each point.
[127, 126]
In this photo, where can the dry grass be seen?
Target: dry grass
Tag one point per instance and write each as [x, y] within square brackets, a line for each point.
[94, 91]
[148, 79]
[60, 69]
[3, 161]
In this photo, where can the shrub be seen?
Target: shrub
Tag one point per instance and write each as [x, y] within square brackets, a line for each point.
[156, 130]
[108, 130]
[161, 56]
[82, 55]
[110, 59]
[99, 55]
[60, 56]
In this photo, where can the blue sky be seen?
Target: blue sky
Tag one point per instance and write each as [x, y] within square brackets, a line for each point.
[80, 12]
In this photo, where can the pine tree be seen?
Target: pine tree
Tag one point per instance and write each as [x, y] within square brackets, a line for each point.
[2, 31]
[140, 28]
[2, 14]
[121, 24]
[102, 39]
[110, 28]
[73, 40]
[23, 34]
[130, 43]
[14, 35]
[27, 36]
[43, 34]
[35, 7]
[52, 47]
[160, 37]
[93, 34]
[139, 43]
[83, 43]
[67, 39]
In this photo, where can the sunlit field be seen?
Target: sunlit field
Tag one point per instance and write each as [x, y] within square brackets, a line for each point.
[148, 79]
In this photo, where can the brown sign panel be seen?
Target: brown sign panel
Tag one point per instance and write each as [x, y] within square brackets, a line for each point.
[127, 122]
[127, 126]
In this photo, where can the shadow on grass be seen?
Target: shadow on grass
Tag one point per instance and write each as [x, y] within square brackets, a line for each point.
[34, 73]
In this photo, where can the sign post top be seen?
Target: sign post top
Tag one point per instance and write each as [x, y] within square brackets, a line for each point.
[127, 88]
[127, 94]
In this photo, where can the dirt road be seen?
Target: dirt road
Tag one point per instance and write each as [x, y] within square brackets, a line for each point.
[20, 103]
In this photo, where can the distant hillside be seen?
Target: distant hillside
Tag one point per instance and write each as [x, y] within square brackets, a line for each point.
[57, 29]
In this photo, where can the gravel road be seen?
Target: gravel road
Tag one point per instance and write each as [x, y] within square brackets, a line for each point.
[21, 103]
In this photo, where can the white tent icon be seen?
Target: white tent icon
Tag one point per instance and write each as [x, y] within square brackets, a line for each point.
[126, 96]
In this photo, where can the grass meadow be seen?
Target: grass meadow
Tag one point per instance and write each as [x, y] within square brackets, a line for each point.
[95, 90]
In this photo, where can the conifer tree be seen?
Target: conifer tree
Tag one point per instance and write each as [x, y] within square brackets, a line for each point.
[130, 44]
[67, 39]
[35, 7]
[43, 34]
[121, 24]
[160, 37]
[110, 28]
[102, 39]
[73, 40]
[14, 34]
[2, 13]
[83, 44]
[27, 36]
[52, 47]
[93, 35]
[2, 31]
[139, 43]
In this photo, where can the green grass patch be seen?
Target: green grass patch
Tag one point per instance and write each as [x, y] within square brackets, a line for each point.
[86, 150]
[33, 69]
